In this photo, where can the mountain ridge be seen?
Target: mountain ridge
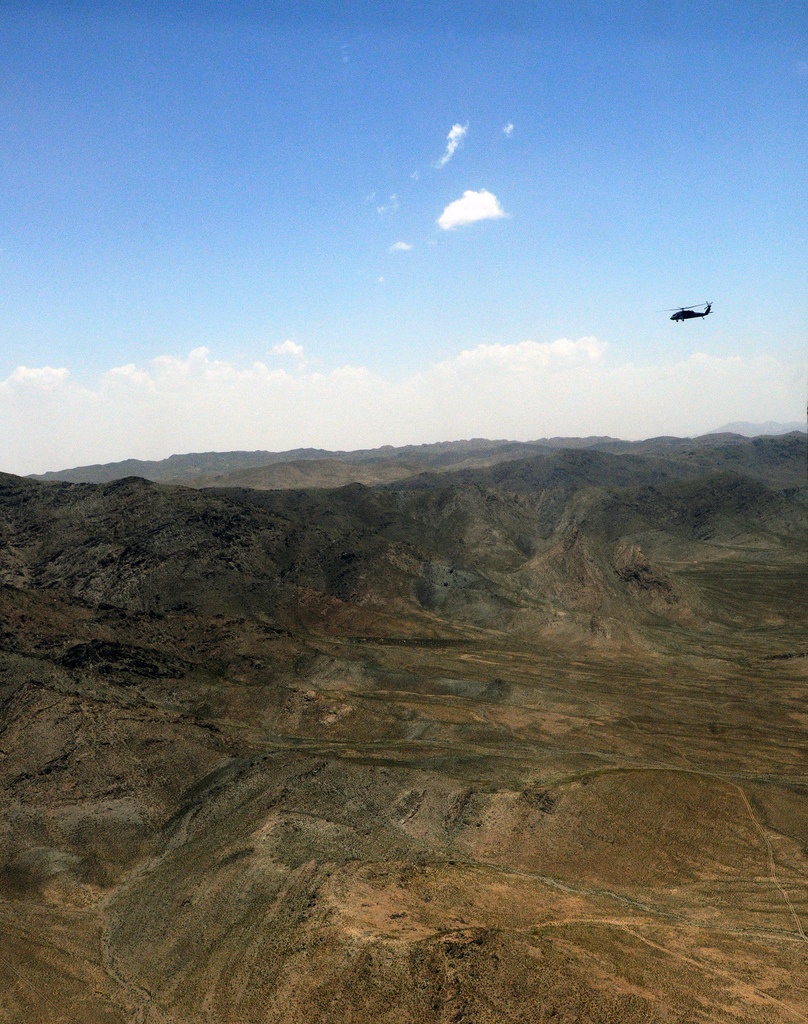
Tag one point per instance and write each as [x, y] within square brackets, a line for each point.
[319, 467]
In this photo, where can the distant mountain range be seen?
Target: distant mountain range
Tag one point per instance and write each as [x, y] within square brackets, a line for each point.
[249, 542]
[317, 467]
[748, 429]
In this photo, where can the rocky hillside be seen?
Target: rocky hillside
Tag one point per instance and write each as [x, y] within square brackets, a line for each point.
[483, 546]
[509, 742]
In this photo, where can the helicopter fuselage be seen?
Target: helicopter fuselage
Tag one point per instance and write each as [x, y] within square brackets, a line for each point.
[689, 314]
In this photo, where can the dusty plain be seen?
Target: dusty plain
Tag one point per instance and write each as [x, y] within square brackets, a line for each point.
[521, 740]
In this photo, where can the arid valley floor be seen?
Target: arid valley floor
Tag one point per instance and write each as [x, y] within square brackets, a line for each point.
[489, 734]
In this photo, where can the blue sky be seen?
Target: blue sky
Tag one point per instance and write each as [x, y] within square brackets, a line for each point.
[232, 177]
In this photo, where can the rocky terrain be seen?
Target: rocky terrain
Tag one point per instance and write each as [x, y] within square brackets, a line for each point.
[495, 733]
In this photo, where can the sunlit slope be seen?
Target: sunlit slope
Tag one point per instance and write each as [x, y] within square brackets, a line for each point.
[276, 826]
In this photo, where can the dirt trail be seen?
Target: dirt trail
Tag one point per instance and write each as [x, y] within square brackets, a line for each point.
[772, 868]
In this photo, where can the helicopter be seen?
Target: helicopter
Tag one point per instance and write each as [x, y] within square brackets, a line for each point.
[689, 312]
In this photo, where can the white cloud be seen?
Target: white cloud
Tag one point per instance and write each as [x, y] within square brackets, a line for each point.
[126, 375]
[473, 206]
[38, 377]
[456, 135]
[524, 356]
[400, 247]
[524, 390]
[290, 348]
[508, 130]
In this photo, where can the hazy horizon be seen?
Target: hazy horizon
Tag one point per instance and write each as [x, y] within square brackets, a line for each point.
[744, 428]
[521, 392]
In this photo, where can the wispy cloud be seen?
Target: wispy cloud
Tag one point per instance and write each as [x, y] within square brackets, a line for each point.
[473, 206]
[508, 130]
[390, 206]
[524, 390]
[400, 247]
[456, 135]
